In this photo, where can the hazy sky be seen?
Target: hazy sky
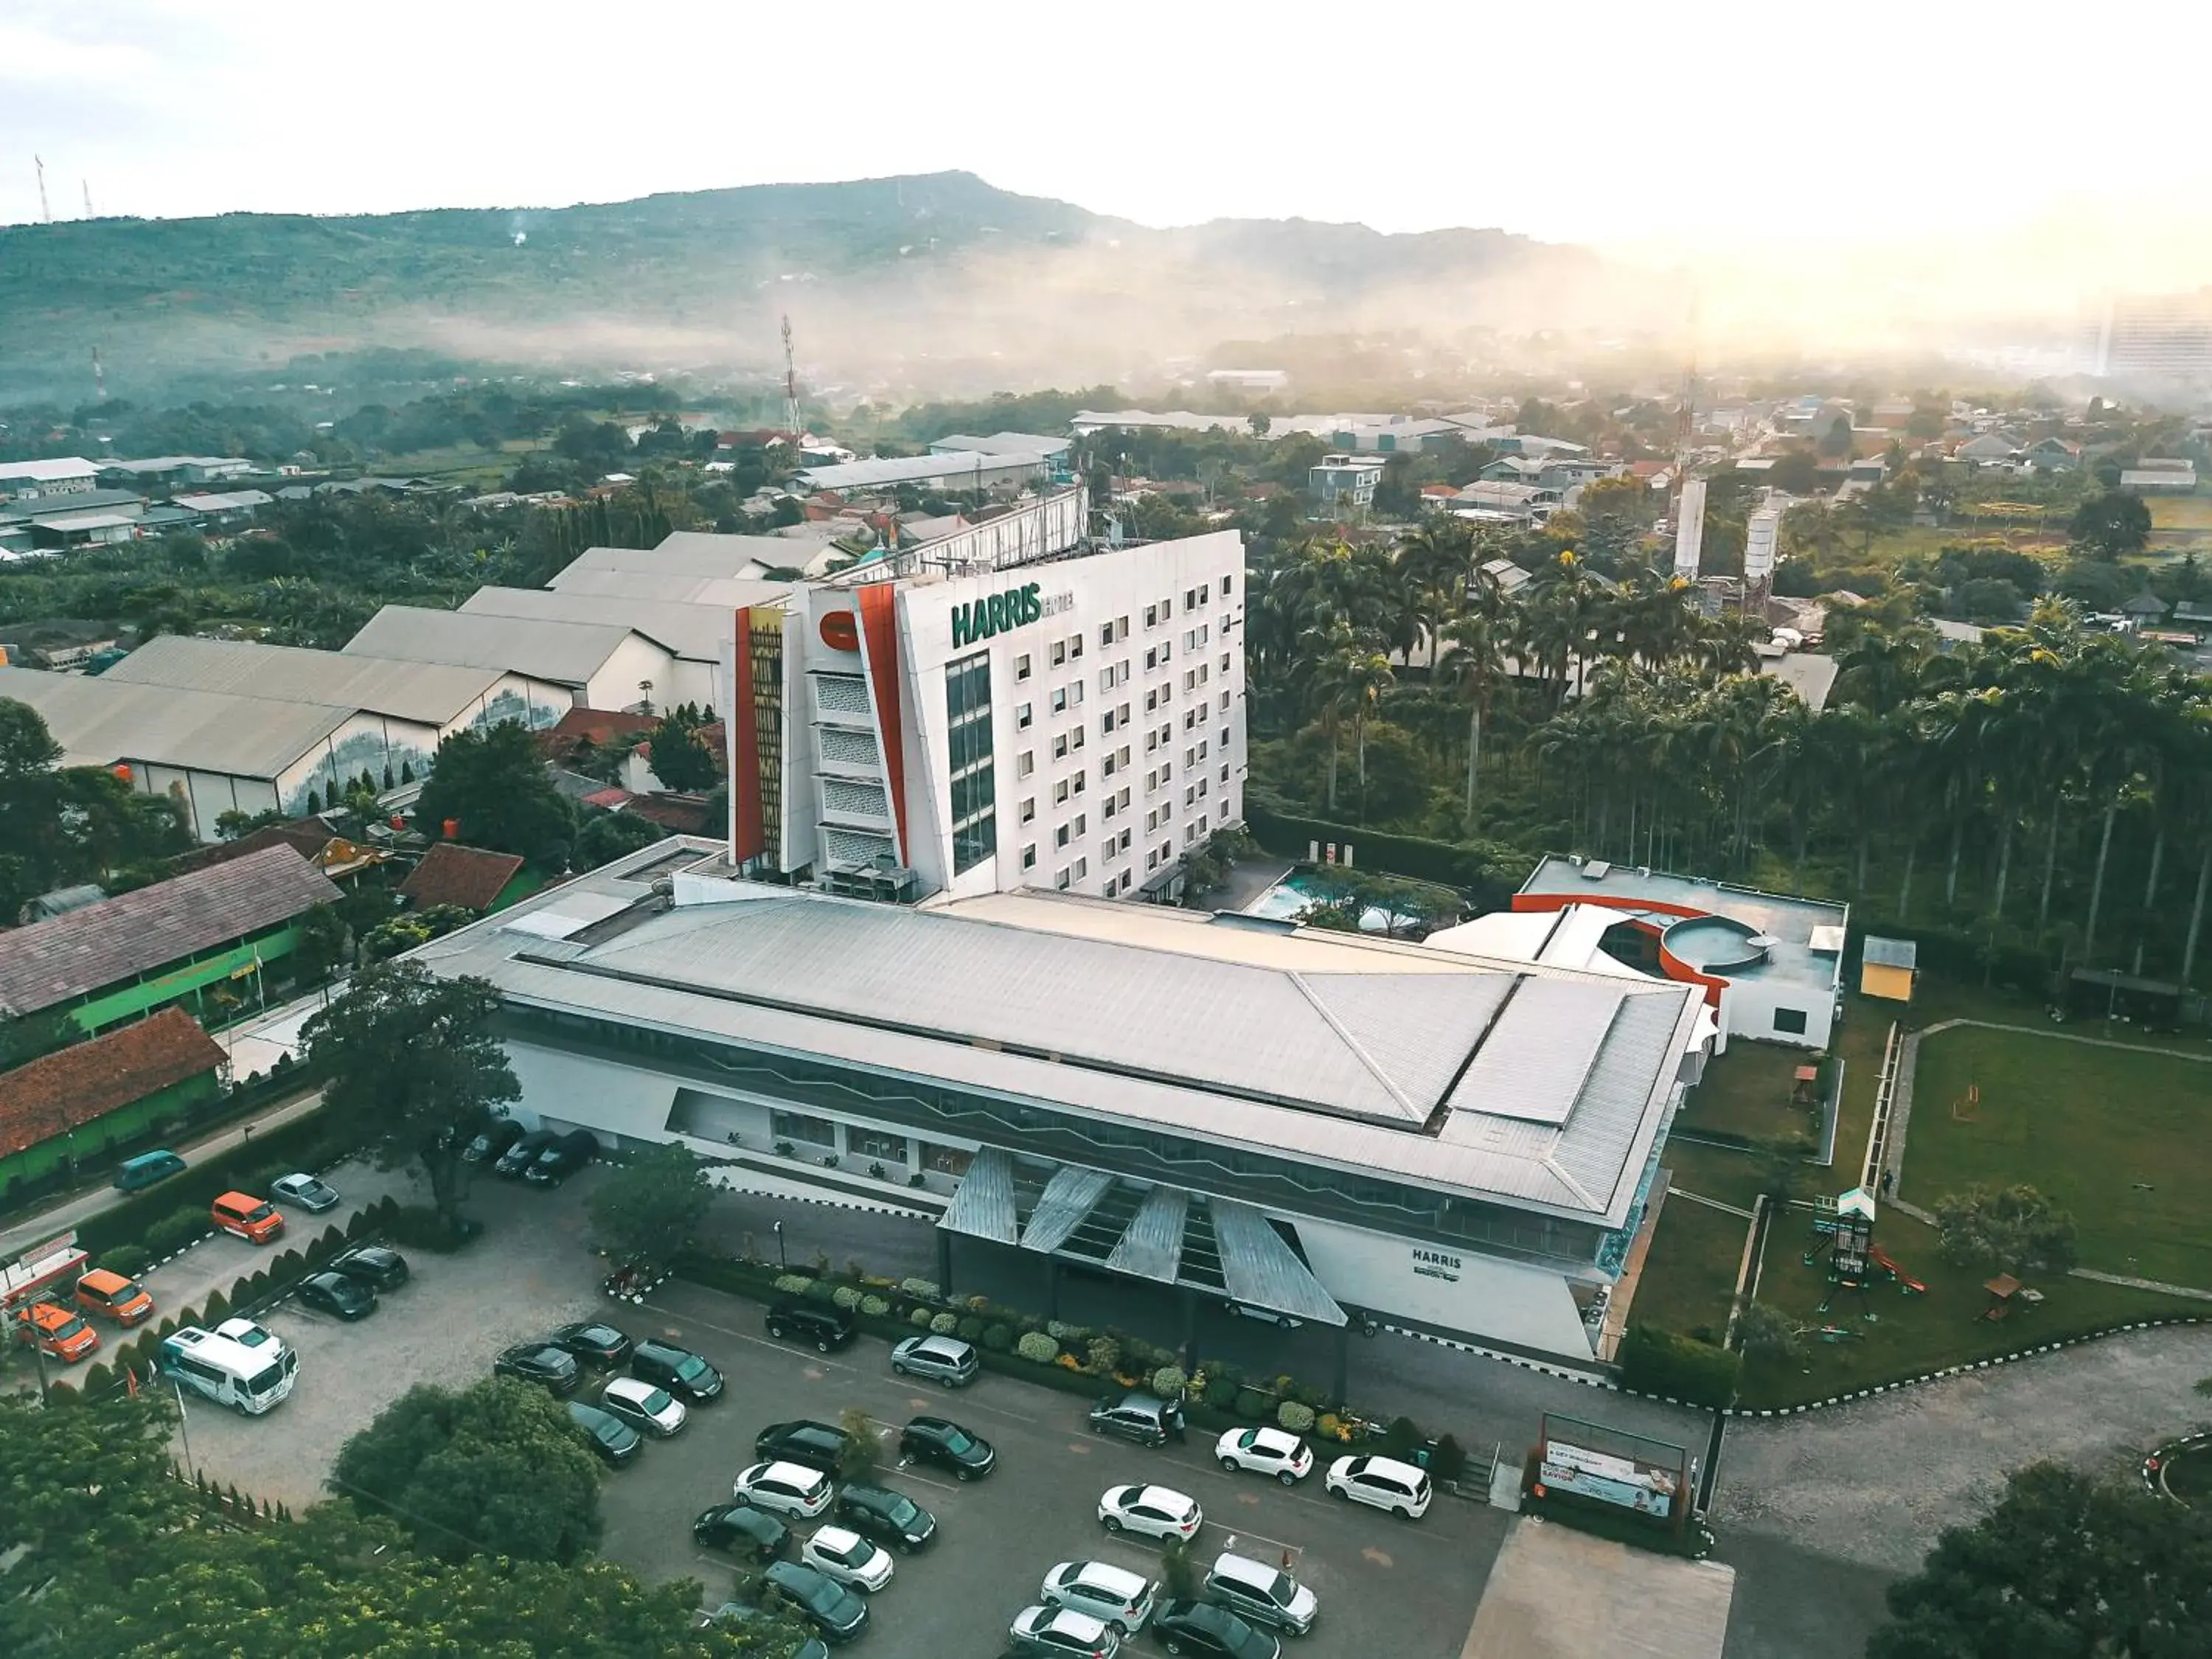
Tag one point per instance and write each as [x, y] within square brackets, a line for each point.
[1600, 121]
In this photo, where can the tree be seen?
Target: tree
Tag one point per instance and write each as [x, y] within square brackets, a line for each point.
[1765, 1333]
[680, 760]
[493, 788]
[863, 1449]
[646, 1210]
[607, 836]
[26, 1039]
[2065, 1564]
[1796, 472]
[32, 842]
[413, 1067]
[2014, 1228]
[322, 942]
[1258, 422]
[2111, 524]
[497, 1468]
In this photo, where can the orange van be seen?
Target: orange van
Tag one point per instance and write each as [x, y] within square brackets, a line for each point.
[112, 1297]
[254, 1219]
[57, 1329]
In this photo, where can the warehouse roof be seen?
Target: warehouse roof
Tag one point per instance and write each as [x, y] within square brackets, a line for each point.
[1342, 1051]
[84, 1082]
[694, 631]
[53, 471]
[432, 693]
[703, 553]
[567, 653]
[99, 721]
[914, 469]
[51, 962]
[677, 587]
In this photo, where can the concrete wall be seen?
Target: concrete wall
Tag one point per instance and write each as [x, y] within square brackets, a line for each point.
[1748, 1008]
[616, 685]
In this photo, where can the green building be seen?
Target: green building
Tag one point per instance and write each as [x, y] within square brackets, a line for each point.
[199, 940]
[85, 1104]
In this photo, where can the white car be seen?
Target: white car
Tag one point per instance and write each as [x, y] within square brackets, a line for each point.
[784, 1488]
[849, 1558]
[1117, 1598]
[306, 1192]
[1266, 1451]
[1151, 1512]
[1063, 1631]
[648, 1409]
[1383, 1482]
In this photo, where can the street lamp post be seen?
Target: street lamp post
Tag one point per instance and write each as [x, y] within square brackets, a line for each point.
[782, 1264]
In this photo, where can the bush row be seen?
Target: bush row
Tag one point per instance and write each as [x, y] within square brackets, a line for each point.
[1675, 1367]
[1488, 871]
[308, 1142]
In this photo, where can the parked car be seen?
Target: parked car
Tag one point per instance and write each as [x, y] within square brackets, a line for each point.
[1063, 1633]
[889, 1518]
[827, 1604]
[311, 1194]
[610, 1438]
[1267, 1316]
[557, 1162]
[594, 1342]
[136, 1173]
[818, 1445]
[847, 1557]
[945, 1358]
[373, 1265]
[679, 1371]
[1383, 1482]
[785, 1488]
[523, 1153]
[335, 1294]
[541, 1363]
[826, 1328]
[53, 1329]
[491, 1145]
[1266, 1451]
[1144, 1418]
[941, 1441]
[1261, 1594]
[110, 1296]
[1201, 1628]
[1151, 1512]
[743, 1530]
[1121, 1599]
[649, 1410]
[254, 1219]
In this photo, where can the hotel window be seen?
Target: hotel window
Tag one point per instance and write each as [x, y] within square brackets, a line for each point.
[1059, 836]
[968, 744]
[1075, 647]
[1022, 716]
[1107, 811]
[1190, 720]
[1167, 608]
[1075, 738]
[1059, 653]
[1060, 700]
[1079, 777]
[1061, 881]
[1151, 617]
[1029, 808]
[1021, 667]
[1082, 868]
[1225, 587]
[1224, 771]
[1190, 599]
[1106, 767]
[1225, 702]
[1025, 764]
[1059, 747]
[1059, 793]
[1189, 797]
[1123, 800]
[1028, 855]
[1224, 662]
[1151, 660]
[1106, 633]
[873, 1143]
[799, 1127]
[1082, 824]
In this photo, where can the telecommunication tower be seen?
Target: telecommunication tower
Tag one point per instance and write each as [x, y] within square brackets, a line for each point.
[99, 378]
[86, 184]
[45, 209]
[790, 386]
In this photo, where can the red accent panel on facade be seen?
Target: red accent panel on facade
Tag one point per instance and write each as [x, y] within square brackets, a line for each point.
[748, 835]
[879, 625]
[1609, 900]
[1675, 968]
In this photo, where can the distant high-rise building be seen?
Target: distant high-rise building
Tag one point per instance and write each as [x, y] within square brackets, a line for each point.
[2153, 338]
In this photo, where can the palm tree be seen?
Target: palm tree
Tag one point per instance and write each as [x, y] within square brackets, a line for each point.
[1477, 662]
[1433, 562]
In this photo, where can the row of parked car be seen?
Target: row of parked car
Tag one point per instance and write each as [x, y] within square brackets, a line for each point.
[544, 1158]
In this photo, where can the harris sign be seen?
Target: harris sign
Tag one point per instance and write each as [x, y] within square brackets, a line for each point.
[997, 613]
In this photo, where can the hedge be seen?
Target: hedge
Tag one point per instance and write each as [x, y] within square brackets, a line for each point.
[1674, 1367]
[306, 1142]
[1489, 871]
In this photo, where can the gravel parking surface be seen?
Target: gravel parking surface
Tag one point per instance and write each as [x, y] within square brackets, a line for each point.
[1873, 1483]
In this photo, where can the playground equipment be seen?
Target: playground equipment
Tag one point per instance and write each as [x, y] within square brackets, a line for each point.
[1843, 1229]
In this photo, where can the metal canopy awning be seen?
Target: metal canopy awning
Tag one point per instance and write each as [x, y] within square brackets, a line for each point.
[1167, 1235]
[1066, 1199]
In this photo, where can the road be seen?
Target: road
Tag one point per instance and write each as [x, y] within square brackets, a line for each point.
[24, 1231]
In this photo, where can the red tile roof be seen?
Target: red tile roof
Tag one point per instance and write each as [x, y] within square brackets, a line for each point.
[85, 1081]
[451, 873]
[306, 836]
[684, 814]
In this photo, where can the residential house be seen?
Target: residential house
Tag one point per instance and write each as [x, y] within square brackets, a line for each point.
[86, 1103]
[1342, 482]
[2052, 455]
[222, 510]
[451, 873]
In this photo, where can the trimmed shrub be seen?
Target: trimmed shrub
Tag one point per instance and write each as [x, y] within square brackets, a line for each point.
[847, 1296]
[289, 1263]
[1295, 1417]
[874, 1306]
[1060, 1331]
[1400, 1438]
[997, 1338]
[216, 1310]
[943, 1324]
[1222, 1392]
[1329, 1426]
[823, 1290]
[1104, 1356]
[129, 1260]
[1250, 1403]
[1037, 1348]
[970, 1330]
[97, 1380]
[1449, 1461]
[176, 1230]
[792, 1284]
[332, 1238]
[922, 1289]
[1169, 1382]
[1312, 1396]
[921, 1319]
[1656, 1361]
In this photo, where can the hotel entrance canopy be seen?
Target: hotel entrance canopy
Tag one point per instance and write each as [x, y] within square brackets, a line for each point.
[1214, 1246]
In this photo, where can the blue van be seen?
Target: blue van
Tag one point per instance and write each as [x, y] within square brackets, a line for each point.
[143, 1171]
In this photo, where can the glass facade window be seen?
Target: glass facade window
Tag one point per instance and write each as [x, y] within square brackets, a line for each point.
[873, 1143]
[797, 1126]
[968, 744]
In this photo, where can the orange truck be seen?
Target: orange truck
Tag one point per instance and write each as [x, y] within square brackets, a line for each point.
[110, 1296]
[55, 1330]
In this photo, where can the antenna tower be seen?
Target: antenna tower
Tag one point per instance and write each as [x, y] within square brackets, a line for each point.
[1685, 423]
[790, 386]
[87, 184]
[45, 210]
[99, 378]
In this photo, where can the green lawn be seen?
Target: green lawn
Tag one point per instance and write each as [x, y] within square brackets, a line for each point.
[1689, 1276]
[1745, 1092]
[2118, 1138]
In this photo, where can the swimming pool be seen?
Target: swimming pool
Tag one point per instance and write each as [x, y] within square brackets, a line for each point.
[1288, 898]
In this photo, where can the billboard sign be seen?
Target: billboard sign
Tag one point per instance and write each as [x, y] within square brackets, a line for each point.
[1644, 1487]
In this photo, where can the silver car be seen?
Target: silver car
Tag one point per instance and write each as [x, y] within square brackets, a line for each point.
[949, 1361]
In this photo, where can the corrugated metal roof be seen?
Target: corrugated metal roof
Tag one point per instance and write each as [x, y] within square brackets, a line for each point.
[1540, 1053]
[567, 653]
[700, 553]
[859, 474]
[52, 962]
[435, 694]
[98, 721]
[1892, 952]
[1066, 1199]
[674, 586]
[698, 632]
[1151, 1246]
[983, 1207]
[1262, 1270]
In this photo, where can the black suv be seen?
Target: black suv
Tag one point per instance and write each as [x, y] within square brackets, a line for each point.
[491, 1145]
[374, 1266]
[815, 1445]
[940, 1441]
[889, 1518]
[540, 1363]
[595, 1344]
[743, 1530]
[827, 1329]
[679, 1371]
[562, 1158]
[524, 1153]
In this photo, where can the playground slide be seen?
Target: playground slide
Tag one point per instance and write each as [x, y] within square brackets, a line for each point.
[1882, 1259]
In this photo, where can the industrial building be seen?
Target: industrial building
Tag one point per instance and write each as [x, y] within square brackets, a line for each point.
[1073, 722]
[600, 664]
[1297, 1121]
[67, 476]
[957, 470]
[693, 635]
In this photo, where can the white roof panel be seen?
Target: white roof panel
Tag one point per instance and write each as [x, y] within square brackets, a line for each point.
[1540, 1053]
